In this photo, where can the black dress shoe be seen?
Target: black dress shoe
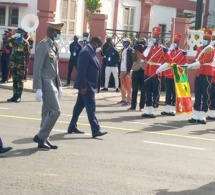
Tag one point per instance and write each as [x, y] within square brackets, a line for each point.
[75, 131]
[210, 118]
[3, 150]
[164, 113]
[171, 114]
[192, 120]
[202, 122]
[17, 100]
[51, 146]
[99, 133]
[37, 139]
[146, 115]
[44, 146]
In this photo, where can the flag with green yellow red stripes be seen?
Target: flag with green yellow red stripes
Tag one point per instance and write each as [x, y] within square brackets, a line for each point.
[182, 89]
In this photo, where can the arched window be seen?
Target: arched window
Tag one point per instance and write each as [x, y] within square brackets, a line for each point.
[68, 16]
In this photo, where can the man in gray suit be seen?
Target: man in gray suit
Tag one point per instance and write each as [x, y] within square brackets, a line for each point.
[47, 83]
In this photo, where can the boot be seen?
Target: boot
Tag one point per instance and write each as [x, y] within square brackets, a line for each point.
[18, 98]
[12, 99]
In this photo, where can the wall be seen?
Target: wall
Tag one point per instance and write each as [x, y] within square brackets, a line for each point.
[211, 19]
[161, 15]
[108, 7]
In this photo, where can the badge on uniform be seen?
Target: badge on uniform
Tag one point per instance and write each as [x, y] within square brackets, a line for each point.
[109, 59]
[74, 53]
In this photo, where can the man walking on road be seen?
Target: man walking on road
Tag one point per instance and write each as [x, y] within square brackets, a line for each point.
[88, 83]
[47, 83]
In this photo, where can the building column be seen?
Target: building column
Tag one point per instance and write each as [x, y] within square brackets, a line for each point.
[145, 15]
[46, 12]
[98, 20]
[115, 15]
[206, 15]
[181, 26]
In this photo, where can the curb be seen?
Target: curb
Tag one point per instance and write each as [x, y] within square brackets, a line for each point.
[33, 91]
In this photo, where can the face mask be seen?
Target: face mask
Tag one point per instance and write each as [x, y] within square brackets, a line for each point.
[57, 38]
[175, 45]
[204, 42]
[17, 35]
[125, 45]
[85, 38]
[154, 40]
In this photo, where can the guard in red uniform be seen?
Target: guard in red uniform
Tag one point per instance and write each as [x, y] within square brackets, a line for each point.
[179, 57]
[155, 54]
[204, 74]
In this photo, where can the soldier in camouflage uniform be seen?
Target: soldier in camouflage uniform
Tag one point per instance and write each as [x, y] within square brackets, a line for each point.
[19, 59]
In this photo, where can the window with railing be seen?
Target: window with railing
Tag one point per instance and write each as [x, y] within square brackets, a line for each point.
[68, 16]
[9, 16]
[2, 15]
[129, 13]
[13, 16]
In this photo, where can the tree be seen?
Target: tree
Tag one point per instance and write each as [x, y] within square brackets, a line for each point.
[92, 6]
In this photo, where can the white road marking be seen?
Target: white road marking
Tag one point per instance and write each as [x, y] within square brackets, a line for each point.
[173, 145]
[2, 108]
[159, 125]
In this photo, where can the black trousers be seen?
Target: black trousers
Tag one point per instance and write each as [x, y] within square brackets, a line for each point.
[5, 66]
[170, 92]
[202, 92]
[85, 101]
[153, 88]
[212, 97]
[138, 83]
[70, 68]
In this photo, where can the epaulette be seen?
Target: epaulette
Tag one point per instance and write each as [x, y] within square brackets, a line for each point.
[209, 50]
[165, 49]
[44, 40]
[184, 52]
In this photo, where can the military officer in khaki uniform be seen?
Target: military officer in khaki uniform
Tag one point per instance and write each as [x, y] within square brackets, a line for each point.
[47, 83]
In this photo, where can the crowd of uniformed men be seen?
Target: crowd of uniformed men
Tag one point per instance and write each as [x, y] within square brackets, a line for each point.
[139, 66]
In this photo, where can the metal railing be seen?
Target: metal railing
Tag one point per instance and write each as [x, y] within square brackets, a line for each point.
[119, 35]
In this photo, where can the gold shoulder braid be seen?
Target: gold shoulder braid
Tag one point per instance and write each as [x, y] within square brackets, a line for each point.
[209, 50]
[44, 40]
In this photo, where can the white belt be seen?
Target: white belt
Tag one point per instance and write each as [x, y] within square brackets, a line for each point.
[207, 64]
[153, 63]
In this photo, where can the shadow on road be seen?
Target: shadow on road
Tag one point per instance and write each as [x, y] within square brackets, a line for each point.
[208, 189]
[203, 132]
[20, 153]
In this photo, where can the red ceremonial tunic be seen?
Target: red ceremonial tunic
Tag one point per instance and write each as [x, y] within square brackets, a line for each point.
[207, 59]
[179, 57]
[157, 56]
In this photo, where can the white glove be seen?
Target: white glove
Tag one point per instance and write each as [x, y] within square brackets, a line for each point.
[163, 67]
[150, 42]
[39, 95]
[194, 65]
[172, 47]
[60, 93]
[189, 66]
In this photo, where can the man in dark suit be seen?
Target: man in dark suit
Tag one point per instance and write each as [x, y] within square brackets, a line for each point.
[75, 49]
[87, 82]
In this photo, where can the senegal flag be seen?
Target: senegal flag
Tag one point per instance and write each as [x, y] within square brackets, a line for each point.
[182, 90]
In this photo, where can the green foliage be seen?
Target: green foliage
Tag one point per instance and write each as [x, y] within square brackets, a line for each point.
[92, 6]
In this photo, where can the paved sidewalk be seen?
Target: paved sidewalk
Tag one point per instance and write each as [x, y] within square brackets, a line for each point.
[110, 95]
